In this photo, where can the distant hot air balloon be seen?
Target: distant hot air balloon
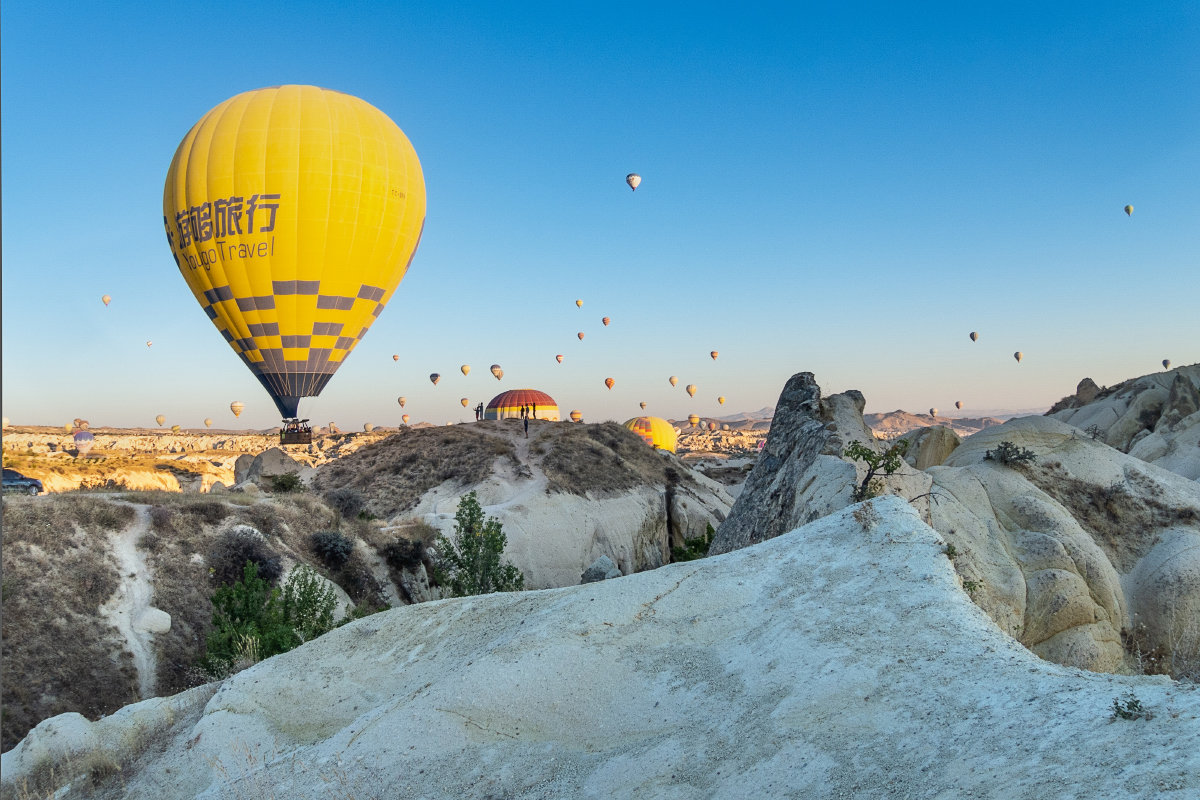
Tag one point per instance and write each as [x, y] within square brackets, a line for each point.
[293, 212]
[149, 343]
[84, 424]
[405, 419]
[1166, 363]
[175, 429]
[368, 427]
[691, 390]
[1018, 356]
[106, 299]
[634, 180]
[643, 405]
[576, 415]
[464, 401]
[558, 358]
[1129, 211]
[67, 428]
[609, 382]
[724, 427]
[499, 373]
[974, 336]
[693, 419]
[83, 442]
[958, 404]
[208, 422]
[580, 335]
[714, 355]
[579, 304]
[402, 400]
[933, 413]
[721, 400]
[236, 407]
[395, 357]
[712, 426]
[160, 419]
[673, 380]
[606, 320]
[434, 378]
[466, 369]
[76, 422]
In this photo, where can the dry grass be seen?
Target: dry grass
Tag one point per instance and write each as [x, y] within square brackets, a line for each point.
[602, 458]
[393, 474]
[58, 654]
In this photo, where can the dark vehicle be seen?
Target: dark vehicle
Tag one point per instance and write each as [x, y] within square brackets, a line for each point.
[295, 431]
[16, 482]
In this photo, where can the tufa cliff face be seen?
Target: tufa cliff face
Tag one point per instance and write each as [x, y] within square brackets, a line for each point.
[1088, 556]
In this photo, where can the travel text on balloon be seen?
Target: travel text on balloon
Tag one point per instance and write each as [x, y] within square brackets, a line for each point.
[211, 221]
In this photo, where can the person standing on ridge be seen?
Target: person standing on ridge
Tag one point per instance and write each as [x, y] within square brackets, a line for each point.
[526, 421]
[535, 410]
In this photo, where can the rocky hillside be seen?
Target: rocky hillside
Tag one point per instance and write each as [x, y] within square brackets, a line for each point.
[107, 594]
[896, 423]
[1086, 555]
[1155, 417]
[842, 659]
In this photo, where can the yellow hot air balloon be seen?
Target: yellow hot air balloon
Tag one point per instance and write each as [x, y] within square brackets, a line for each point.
[576, 415]
[643, 405]
[434, 378]
[1129, 211]
[466, 369]
[1018, 356]
[673, 380]
[634, 180]
[655, 432]
[974, 336]
[714, 355]
[499, 373]
[402, 401]
[721, 400]
[160, 419]
[1166, 363]
[958, 404]
[606, 320]
[609, 382]
[693, 419]
[405, 419]
[68, 427]
[579, 304]
[691, 390]
[395, 357]
[208, 422]
[933, 413]
[558, 358]
[174, 429]
[464, 401]
[236, 407]
[106, 299]
[293, 213]
[580, 335]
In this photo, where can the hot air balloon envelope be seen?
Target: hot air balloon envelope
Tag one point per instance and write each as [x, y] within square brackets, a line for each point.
[83, 442]
[579, 304]
[721, 400]
[606, 320]
[466, 369]
[693, 419]
[402, 401]
[580, 335]
[673, 380]
[1129, 211]
[434, 378]
[208, 422]
[558, 358]
[464, 401]
[1166, 363]
[656, 432]
[499, 373]
[933, 412]
[958, 403]
[236, 407]
[691, 390]
[643, 405]
[396, 357]
[634, 180]
[576, 415]
[160, 419]
[293, 213]
[974, 336]
[507, 405]
[106, 299]
[1018, 356]
[405, 419]
[714, 355]
[609, 382]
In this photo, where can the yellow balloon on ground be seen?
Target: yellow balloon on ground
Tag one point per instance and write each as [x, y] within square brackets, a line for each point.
[293, 213]
[656, 432]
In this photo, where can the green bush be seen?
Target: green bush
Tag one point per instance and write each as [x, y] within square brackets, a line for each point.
[694, 548]
[288, 482]
[1009, 454]
[404, 554]
[308, 603]
[888, 462]
[233, 549]
[333, 548]
[472, 564]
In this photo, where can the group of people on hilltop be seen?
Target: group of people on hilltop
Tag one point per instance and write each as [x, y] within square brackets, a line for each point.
[527, 413]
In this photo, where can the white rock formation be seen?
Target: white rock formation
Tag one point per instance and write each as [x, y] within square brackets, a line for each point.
[840, 660]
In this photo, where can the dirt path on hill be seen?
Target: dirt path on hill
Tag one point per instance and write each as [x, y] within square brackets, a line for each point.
[132, 598]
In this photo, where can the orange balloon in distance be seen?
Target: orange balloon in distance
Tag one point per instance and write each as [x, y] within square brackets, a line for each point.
[405, 419]
[714, 355]
[580, 335]
[579, 304]
[609, 382]
[606, 320]
[396, 357]
[576, 415]
[464, 402]
[293, 213]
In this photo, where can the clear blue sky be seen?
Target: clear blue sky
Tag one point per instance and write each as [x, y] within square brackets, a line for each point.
[844, 188]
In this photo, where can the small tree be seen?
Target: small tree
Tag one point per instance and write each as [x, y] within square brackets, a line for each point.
[248, 624]
[472, 564]
[887, 462]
